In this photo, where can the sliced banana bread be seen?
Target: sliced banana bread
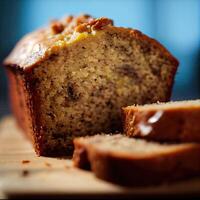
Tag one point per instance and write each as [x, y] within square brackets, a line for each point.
[72, 78]
[168, 122]
[136, 162]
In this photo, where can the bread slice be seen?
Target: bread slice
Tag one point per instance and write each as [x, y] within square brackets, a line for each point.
[168, 122]
[135, 162]
[72, 78]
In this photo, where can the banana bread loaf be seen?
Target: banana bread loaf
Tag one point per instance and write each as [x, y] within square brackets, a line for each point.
[136, 162]
[72, 78]
[165, 122]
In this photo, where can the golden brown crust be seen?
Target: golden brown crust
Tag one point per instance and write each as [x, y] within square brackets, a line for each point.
[22, 105]
[130, 171]
[37, 46]
[170, 125]
[29, 50]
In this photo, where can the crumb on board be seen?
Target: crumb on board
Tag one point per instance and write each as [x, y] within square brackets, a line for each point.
[25, 173]
[48, 164]
[25, 161]
[67, 167]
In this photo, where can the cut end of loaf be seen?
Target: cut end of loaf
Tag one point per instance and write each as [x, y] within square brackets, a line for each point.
[81, 89]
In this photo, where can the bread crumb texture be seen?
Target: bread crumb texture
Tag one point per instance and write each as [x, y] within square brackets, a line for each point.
[80, 89]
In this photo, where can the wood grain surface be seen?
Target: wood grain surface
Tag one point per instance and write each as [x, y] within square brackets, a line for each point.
[22, 173]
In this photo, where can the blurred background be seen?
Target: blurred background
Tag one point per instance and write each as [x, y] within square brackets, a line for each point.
[175, 23]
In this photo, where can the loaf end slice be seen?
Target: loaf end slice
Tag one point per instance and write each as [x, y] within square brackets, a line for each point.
[165, 122]
[135, 162]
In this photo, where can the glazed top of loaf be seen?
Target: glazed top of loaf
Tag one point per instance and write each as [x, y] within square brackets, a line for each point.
[40, 44]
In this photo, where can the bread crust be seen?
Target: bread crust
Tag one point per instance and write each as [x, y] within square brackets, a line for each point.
[128, 171]
[169, 125]
[39, 45]
[42, 43]
[23, 106]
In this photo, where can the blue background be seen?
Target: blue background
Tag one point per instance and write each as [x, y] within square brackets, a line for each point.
[175, 23]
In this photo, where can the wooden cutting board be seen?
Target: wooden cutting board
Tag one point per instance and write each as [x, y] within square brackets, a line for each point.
[23, 173]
